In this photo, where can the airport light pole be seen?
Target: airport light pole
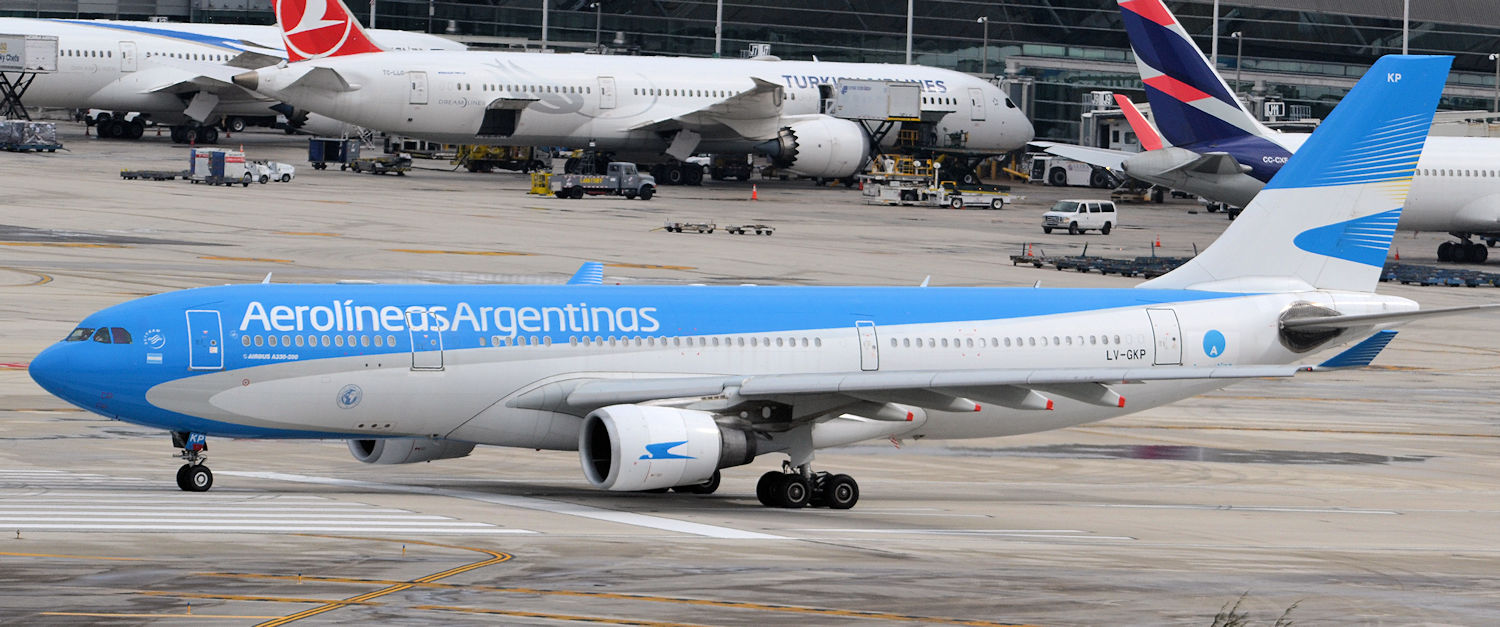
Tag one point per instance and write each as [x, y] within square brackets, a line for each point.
[1239, 49]
[431, 10]
[1405, 23]
[544, 24]
[910, 9]
[372, 14]
[984, 49]
[1496, 58]
[1212, 47]
[598, 18]
[718, 30]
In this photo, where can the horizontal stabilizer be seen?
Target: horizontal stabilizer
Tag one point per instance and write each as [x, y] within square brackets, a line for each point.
[1365, 320]
[1102, 157]
[590, 273]
[1361, 354]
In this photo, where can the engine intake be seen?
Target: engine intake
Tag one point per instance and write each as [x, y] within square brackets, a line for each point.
[1304, 339]
[643, 447]
[407, 450]
[821, 146]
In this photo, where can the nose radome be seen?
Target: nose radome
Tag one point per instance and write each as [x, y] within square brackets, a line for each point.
[49, 369]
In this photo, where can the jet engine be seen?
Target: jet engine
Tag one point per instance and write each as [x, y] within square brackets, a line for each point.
[642, 447]
[407, 450]
[819, 145]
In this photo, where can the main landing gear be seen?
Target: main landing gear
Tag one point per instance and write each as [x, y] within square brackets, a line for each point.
[1463, 251]
[193, 476]
[800, 487]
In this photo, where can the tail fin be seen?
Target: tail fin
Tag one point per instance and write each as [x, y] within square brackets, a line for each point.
[1190, 102]
[1326, 220]
[1146, 133]
[313, 29]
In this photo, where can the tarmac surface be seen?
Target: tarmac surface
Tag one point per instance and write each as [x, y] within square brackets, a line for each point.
[1359, 497]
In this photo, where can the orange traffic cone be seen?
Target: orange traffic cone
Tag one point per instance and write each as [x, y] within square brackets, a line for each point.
[754, 193]
[1158, 241]
[1398, 253]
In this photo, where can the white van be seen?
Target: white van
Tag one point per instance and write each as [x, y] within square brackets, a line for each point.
[1078, 216]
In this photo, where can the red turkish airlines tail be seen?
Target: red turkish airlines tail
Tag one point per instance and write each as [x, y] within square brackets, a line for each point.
[313, 29]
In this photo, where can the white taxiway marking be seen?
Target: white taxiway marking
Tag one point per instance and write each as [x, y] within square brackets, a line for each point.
[141, 507]
[1046, 534]
[532, 503]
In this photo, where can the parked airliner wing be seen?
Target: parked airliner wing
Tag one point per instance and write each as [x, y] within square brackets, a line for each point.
[899, 386]
[751, 114]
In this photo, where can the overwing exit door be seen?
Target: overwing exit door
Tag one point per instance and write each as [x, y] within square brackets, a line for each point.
[869, 346]
[426, 342]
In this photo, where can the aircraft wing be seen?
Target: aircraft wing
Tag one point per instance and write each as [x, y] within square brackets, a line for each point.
[938, 389]
[1102, 157]
[750, 114]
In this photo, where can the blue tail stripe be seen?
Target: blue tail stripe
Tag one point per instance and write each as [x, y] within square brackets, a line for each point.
[1361, 240]
[1376, 134]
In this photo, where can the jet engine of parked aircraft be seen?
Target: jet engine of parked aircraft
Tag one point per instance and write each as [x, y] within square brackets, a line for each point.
[819, 145]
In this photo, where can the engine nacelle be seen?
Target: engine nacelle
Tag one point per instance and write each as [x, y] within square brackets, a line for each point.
[643, 447]
[407, 450]
[820, 145]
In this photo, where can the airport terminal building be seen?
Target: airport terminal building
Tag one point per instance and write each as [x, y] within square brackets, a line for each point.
[1303, 54]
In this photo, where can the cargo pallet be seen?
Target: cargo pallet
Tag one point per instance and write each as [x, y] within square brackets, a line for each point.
[152, 175]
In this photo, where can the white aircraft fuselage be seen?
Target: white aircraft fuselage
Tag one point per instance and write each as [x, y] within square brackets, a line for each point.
[630, 104]
[157, 68]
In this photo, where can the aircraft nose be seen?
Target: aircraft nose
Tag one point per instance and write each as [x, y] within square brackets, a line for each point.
[49, 369]
[249, 80]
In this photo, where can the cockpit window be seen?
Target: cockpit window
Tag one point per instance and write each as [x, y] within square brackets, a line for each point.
[119, 335]
[102, 335]
[79, 334]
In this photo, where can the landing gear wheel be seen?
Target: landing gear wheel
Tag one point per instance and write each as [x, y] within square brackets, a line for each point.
[792, 492]
[707, 487]
[1445, 251]
[193, 478]
[190, 135]
[765, 488]
[135, 129]
[841, 492]
[209, 135]
[1478, 253]
[692, 174]
[675, 174]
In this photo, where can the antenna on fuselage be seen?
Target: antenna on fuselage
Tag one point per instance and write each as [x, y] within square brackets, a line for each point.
[267, 280]
[926, 281]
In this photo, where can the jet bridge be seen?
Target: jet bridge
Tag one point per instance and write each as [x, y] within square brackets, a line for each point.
[22, 57]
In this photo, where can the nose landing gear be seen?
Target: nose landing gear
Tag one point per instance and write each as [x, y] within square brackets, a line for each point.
[193, 476]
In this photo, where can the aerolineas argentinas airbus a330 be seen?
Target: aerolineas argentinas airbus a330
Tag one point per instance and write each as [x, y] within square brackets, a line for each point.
[622, 104]
[661, 387]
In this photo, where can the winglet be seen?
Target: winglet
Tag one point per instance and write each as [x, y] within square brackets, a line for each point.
[1150, 140]
[590, 273]
[1361, 354]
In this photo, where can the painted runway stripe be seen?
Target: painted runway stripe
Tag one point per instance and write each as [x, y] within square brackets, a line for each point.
[531, 503]
[368, 521]
[334, 512]
[163, 527]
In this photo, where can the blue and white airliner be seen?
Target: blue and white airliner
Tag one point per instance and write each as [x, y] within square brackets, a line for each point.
[661, 387]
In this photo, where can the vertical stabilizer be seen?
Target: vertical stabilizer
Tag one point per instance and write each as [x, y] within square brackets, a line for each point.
[313, 29]
[1326, 220]
[1190, 102]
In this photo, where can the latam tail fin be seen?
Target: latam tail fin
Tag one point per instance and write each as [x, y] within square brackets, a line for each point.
[313, 29]
[1149, 138]
[1190, 102]
[1326, 220]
